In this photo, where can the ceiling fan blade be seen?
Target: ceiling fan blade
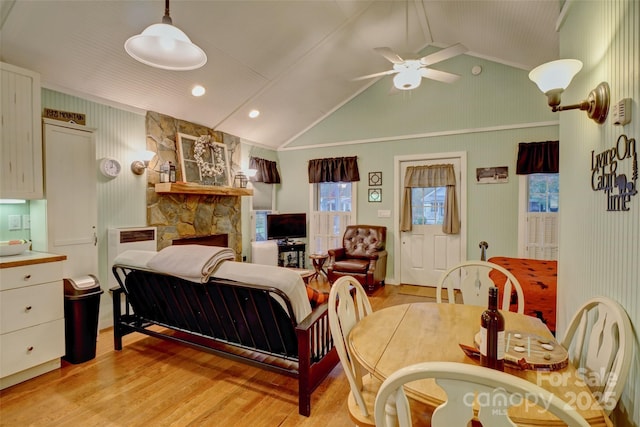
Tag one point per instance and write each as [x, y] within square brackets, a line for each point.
[444, 54]
[380, 74]
[441, 76]
[389, 54]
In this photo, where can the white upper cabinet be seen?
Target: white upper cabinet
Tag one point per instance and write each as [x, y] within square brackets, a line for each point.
[21, 134]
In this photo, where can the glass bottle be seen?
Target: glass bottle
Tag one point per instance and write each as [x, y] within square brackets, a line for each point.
[172, 172]
[492, 334]
[164, 172]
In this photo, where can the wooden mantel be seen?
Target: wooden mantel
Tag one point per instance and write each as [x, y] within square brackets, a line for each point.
[204, 190]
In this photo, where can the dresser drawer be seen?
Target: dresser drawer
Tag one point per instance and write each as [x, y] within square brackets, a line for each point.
[29, 347]
[16, 277]
[29, 306]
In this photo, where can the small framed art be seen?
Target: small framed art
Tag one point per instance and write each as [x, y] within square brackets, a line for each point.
[375, 178]
[375, 195]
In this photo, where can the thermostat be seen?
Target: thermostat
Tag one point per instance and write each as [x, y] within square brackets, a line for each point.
[622, 112]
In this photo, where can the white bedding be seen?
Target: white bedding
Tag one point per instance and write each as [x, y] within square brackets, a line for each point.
[286, 280]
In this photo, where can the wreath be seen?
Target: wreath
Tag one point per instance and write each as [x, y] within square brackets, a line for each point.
[208, 169]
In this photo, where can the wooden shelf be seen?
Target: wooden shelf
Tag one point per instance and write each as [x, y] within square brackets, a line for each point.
[204, 190]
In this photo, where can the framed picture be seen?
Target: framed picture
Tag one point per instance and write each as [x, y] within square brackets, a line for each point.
[375, 195]
[375, 178]
[203, 161]
[188, 165]
[493, 175]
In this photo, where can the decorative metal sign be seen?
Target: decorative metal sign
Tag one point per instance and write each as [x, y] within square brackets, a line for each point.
[605, 173]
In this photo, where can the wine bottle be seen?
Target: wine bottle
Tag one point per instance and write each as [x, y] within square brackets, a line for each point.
[492, 334]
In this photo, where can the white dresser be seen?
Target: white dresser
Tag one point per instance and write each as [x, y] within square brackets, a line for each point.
[31, 316]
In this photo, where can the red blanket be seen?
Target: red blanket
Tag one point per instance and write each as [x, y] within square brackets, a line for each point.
[538, 279]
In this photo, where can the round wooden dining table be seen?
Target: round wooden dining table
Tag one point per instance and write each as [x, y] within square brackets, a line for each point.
[402, 335]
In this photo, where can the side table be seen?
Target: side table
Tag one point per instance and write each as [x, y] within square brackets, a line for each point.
[318, 261]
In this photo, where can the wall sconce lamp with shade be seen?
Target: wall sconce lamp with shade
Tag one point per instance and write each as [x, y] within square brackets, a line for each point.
[165, 46]
[139, 166]
[554, 77]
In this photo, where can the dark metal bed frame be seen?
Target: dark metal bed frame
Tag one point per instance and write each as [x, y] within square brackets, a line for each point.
[240, 321]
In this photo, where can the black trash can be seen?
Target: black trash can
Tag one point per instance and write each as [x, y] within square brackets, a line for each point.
[81, 307]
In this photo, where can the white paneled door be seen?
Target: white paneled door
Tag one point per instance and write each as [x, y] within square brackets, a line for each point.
[425, 251]
[70, 191]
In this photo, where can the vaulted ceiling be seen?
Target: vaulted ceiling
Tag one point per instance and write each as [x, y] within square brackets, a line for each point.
[294, 60]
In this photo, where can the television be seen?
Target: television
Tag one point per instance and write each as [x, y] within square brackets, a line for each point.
[286, 226]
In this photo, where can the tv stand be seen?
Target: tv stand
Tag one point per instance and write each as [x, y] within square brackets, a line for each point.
[291, 254]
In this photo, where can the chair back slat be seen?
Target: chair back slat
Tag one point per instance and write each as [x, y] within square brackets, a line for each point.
[473, 280]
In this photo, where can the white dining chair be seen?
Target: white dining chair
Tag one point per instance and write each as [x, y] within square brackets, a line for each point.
[472, 278]
[348, 304]
[465, 385]
[599, 340]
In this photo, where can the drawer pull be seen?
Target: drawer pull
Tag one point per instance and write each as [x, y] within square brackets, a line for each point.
[29, 349]
[28, 308]
[27, 277]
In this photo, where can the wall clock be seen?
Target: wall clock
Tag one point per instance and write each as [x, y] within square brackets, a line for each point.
[110, 167]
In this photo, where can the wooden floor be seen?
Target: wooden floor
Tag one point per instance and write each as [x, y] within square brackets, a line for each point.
[152, 382]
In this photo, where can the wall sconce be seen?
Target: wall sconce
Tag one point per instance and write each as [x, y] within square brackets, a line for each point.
[139, 166]
[554, 77]
[240, 180]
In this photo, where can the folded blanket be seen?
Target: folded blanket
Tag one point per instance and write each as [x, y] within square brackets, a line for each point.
[191, 262]
[134, 258]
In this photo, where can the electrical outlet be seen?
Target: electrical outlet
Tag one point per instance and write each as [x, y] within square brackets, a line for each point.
[15, 222]
[26, 222]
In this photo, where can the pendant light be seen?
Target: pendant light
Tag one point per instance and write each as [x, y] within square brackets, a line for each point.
[165, 46]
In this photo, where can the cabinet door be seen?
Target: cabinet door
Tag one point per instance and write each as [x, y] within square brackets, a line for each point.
[21, 136]
[70, 190]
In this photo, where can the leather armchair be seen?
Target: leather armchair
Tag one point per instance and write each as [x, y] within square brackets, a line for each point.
[362, 256]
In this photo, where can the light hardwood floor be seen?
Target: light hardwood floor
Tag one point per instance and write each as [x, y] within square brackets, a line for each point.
[152, 382]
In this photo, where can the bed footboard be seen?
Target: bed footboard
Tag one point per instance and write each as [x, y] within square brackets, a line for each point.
[317, 355]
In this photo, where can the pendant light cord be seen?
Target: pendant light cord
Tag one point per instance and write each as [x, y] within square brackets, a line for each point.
[166, 19]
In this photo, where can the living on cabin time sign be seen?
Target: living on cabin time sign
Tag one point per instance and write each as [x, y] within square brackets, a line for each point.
[606, 168]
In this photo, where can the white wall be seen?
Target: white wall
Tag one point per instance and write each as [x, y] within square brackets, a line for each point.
[600, 250]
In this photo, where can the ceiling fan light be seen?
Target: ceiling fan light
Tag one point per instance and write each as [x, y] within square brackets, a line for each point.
[555, 75]
[407, 80]
[165, 46]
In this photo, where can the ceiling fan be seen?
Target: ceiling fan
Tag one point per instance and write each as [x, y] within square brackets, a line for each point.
[409, 72]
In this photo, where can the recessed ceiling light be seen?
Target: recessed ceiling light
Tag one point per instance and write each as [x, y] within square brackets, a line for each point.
[254, 113]
[198, 90]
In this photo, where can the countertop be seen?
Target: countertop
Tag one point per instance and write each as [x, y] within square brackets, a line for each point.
[29, 258]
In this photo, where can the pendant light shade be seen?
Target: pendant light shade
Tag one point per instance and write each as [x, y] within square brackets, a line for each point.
[165, 46]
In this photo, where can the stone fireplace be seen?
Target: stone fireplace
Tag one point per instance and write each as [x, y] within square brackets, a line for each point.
[184, 216]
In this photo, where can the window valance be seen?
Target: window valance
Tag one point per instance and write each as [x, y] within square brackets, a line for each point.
[538, 157]
[267, 170]
[337, 169]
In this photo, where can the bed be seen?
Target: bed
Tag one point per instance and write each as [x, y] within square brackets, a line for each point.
[538, 279]
[256, 314]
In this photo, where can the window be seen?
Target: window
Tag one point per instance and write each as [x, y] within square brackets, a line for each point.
[543, 192]
[427, 205]
[334, 196]
[332, 211]
[539, 214]
[262, 203]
